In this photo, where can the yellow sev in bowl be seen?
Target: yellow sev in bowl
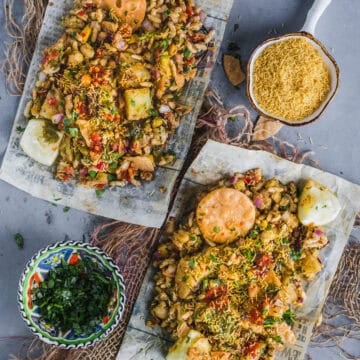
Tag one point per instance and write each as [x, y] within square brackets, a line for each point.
[290, 79]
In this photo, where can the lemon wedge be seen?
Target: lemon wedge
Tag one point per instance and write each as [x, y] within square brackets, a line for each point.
[42, 149]
[317, 204]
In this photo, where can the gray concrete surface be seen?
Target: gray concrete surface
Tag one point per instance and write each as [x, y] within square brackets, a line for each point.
[334, 138]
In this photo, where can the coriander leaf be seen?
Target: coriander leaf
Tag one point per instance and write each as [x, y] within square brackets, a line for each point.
[19, 239]
[216, 229]
[74, 132]
[192, 263]
[100, 192]
[20, 129]
[92, 174]
[289, 317]
[66, 209]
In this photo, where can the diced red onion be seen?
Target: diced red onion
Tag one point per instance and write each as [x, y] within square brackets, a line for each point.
[233, 180]
[258, 202]
[121, 45]
[318, 232]
[56, 119]
[42, 76]
[147, 25]
[164, 109]
[83, 171]
[202, 16]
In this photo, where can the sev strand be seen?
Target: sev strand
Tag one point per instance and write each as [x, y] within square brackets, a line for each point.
[131, 245]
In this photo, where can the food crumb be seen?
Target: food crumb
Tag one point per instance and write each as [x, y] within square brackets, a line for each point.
[163, 189]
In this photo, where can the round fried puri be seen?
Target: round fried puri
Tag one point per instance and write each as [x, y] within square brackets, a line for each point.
[132, 12]
[224, 214]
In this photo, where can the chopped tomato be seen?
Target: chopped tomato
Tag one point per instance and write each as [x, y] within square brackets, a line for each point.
[74, 259]
[190, 11]
[255, 316]
[96, 138]
[82, 12]
[82, 108]
[215, 292]
[263, 260]
[101, 166]
[105, 319]
[69, 170]
[52, 101]
[251, 349]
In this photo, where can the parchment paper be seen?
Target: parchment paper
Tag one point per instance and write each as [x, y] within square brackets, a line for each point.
[214, 161]
[144, 205]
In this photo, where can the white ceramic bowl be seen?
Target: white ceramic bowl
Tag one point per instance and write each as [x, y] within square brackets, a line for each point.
[329, 60]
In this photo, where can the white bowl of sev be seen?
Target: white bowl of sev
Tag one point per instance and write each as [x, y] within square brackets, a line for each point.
[292, 78]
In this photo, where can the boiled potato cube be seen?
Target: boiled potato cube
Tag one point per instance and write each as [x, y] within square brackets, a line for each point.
[137, 103]
[133, 76]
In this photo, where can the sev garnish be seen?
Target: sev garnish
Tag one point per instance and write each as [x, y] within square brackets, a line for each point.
[290, 79]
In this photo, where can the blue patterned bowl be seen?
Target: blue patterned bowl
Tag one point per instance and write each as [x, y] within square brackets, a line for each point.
[36, 271]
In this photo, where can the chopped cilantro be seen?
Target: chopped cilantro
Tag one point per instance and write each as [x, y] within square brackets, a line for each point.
[19, 240]
[270, 321]
[113, 165]
[192, 264]
[187, 53]
[66, 209]
[67, 122]
[99, 192]
[295, 255]
[216, 229]
[20, 129]
[111, 177]
[75, 115]
[277, 339]
[92, 174]
[164, 44]
[74, 296]
[132, 102]
[153, 112]
[289, 317]
[74, 132]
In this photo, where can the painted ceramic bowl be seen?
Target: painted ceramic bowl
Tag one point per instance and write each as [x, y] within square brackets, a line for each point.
[36, 271]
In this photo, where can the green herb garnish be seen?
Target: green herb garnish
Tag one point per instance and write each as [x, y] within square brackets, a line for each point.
[295, 255]
[66, 209]
[289, 317]
[74, 296]
[92, 174]
[20, 129]
[74, 132]
[99, 192]
[216, 229]
[192, 264]
[19, 239]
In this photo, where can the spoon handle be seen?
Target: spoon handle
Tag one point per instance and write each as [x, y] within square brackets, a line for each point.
[314, 14]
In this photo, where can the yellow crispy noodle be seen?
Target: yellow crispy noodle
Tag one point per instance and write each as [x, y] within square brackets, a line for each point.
[290, 79]
[238, 298]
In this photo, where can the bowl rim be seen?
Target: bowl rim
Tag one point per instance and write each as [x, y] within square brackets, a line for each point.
[94, 337]
[275, 38]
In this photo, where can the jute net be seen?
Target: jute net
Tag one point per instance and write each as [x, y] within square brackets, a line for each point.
[131, 246]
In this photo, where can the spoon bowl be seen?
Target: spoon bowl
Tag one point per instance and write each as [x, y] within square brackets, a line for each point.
[328, 59]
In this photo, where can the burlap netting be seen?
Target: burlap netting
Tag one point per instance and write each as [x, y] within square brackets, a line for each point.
[131, 246]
